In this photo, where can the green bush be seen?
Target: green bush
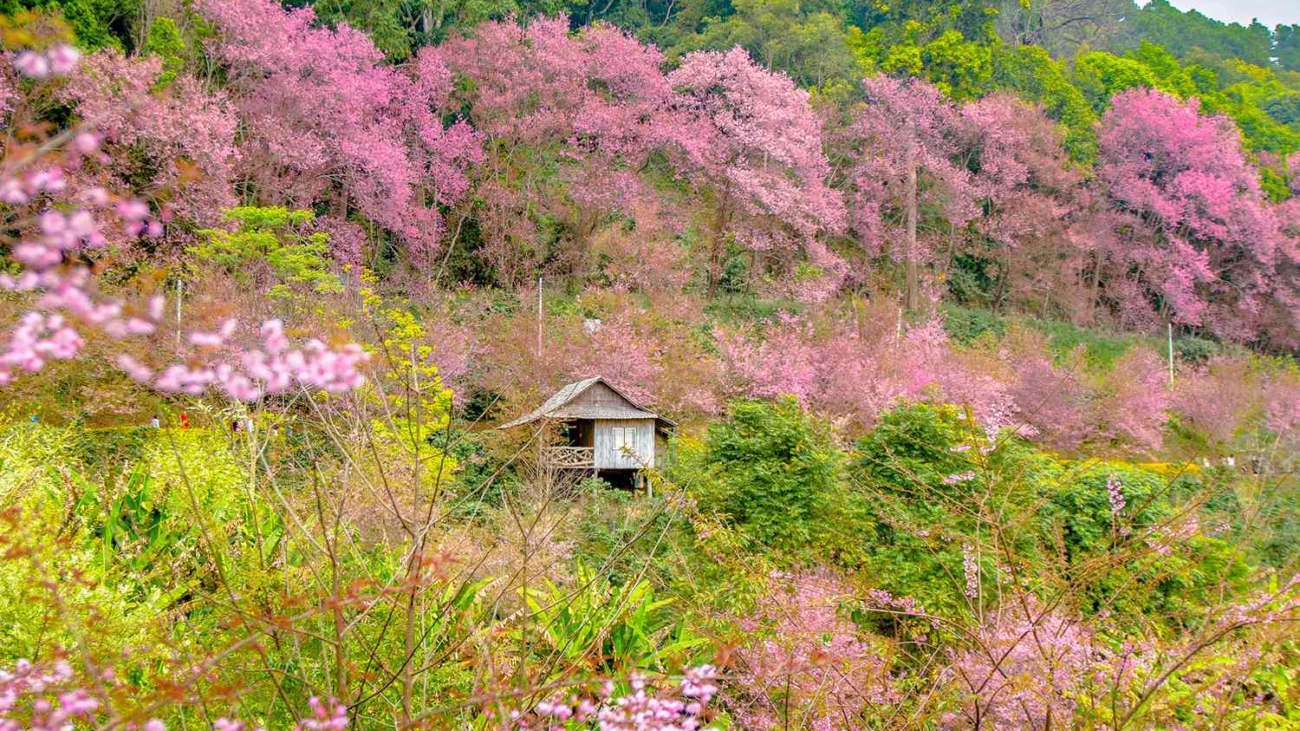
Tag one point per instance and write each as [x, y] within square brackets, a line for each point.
[1196, 350]
[1100, 348]
[771, 470]
[937, 485]
[965, 324]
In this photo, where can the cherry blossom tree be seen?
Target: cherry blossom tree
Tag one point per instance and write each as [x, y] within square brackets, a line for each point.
[1205, 247]
[1030, 191]
[570, 118]
[806, 664]
[327, 121]
[1024, 668]
[186, 134]
[63, 223]
[750, 141]
[904, 155]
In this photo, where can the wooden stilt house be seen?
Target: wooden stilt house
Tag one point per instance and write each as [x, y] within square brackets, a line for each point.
[600, 429]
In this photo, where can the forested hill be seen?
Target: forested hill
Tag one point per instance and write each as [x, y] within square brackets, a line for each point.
[749, 200]
[1093, 47]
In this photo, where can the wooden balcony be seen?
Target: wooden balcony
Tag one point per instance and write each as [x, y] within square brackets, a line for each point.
[569, 458]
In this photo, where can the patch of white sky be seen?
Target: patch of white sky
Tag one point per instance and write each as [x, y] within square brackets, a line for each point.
[1268, 12]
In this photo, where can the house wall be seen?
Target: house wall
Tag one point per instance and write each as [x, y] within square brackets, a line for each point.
[637, 434]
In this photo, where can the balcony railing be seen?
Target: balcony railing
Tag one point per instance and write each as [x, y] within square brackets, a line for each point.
[578, 458]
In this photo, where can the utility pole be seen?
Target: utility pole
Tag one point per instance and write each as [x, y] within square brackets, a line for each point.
[1171, 354]
[180, 285]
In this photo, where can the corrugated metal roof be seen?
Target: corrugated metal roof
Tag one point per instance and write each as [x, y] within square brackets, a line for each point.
[558, 406]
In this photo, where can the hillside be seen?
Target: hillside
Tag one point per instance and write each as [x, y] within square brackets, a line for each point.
[859, 366]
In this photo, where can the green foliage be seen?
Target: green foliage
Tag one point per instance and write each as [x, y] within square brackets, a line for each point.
[772, 471]
[95, 23]
[153, 534]
[274, 238]
[901, 467]
[744, 308]
[806, 41]
[1246, 100]
[1054, 516]
[165, 41]
[965, 324]
[1100, 348]
[961, 69]
[1101, 75]
[416, 403]
[624, 531]
[1080, 506]
[129, 529]
[1179, 583]
[611, 629]
[1194, 350]
[400, 27]
[1287, 47]
[1032, 74]
[1181, 32]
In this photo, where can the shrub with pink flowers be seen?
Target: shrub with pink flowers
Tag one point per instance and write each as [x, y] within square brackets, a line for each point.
[805, 664]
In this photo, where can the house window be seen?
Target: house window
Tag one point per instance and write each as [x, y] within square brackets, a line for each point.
[625, 441]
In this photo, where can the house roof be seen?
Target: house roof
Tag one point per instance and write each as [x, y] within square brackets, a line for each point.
[562, 406]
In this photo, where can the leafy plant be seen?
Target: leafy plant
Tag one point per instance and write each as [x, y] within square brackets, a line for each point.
[608, 628]
[278, 239]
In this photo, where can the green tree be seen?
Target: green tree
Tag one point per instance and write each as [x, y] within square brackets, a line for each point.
[1180, 32]
[1247, 100]
[962, 69]
[272, 246]
[1100, 75]
[95, 23]
[164, 40]
[806, 41]
[1286, 39]
[1030, 73]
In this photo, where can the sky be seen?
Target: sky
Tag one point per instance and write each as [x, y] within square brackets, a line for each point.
[1269, 12]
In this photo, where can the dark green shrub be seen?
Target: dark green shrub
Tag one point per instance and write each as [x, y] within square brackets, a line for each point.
[772, 471]
[964, 324]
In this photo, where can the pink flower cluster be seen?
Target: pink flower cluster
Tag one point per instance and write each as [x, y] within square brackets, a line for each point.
[36, 691]
[47, 699]
[58, 60]
[1115, 495]
[806, 660]
[332, 716]
[1023, 670]
[971, 571]
[641, 710]
[254, 373]
[183, 134]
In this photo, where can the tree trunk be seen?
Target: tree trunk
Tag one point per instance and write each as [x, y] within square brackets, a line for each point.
[715, 266]
[718, 247]
[910, 255]
[1096, 289]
